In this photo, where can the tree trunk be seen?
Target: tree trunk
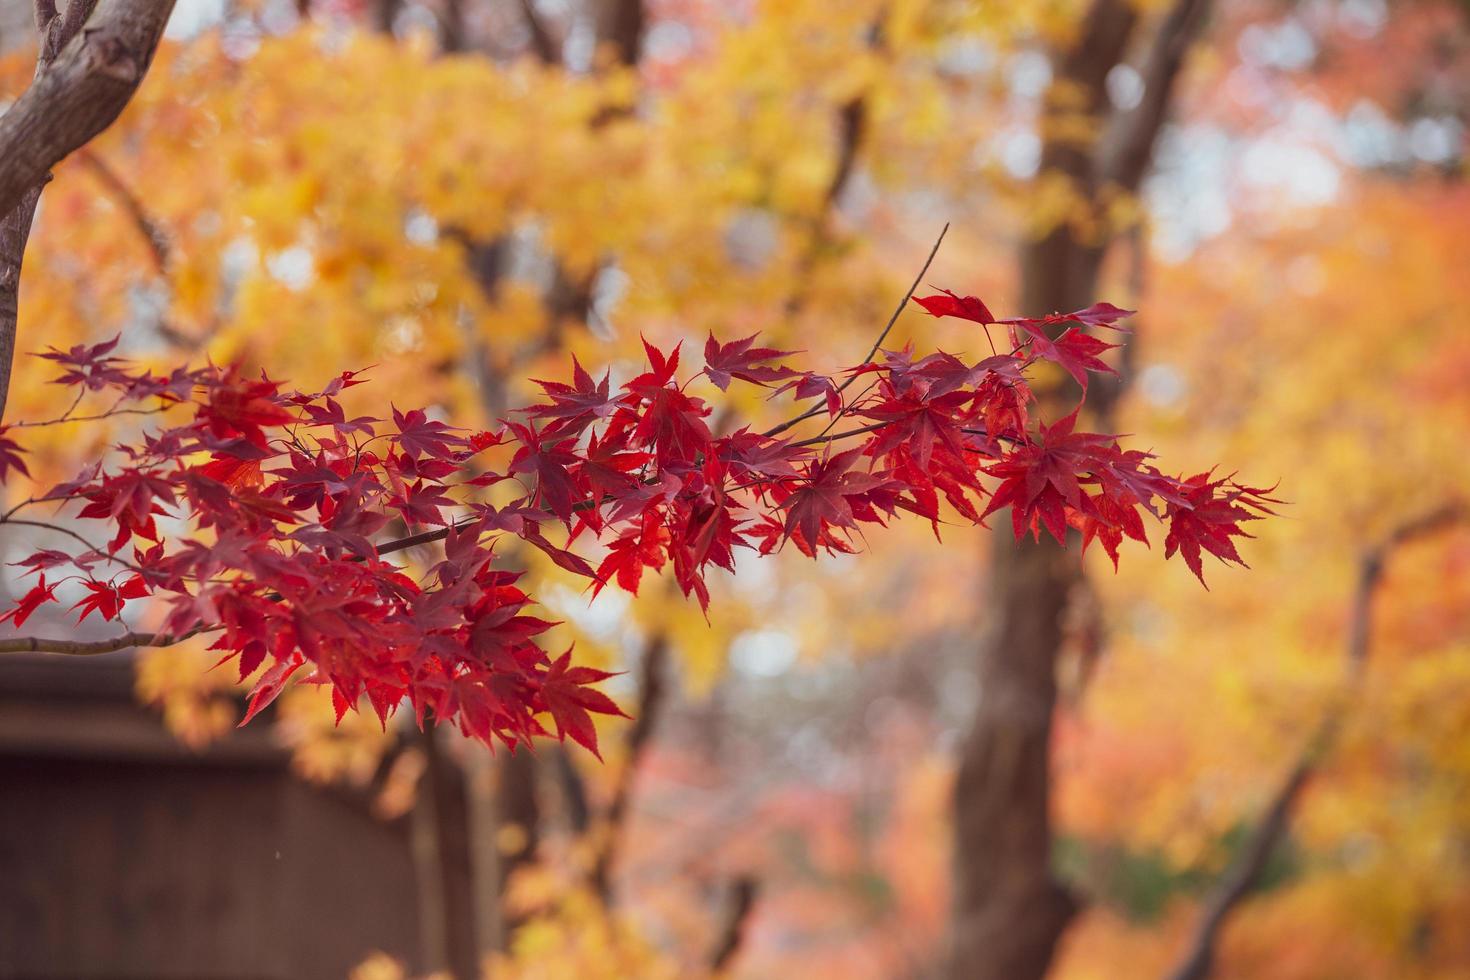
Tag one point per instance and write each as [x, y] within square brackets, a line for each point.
[1009, 910]
[83, 80]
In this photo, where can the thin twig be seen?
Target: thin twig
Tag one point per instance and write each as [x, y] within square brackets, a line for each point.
[897, 312]
[89, 418]
[58, 529]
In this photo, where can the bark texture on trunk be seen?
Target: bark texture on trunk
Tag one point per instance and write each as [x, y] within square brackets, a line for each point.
[88, 67]
[1009, 910]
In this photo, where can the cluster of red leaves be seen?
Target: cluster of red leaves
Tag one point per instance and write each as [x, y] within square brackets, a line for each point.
[288, 502]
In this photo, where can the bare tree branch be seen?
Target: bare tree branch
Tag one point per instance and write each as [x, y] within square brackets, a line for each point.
[1128, 147]
[1245, 873]
[743, 892]
[80, 93]
[547, 48]
[620, 24]
[84, 77]
[151, 232]
[650, 702]
[91, 648]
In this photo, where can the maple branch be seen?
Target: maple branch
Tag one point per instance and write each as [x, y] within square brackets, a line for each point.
[423, 537]
[897, 312]
[744, 890]
[91, 648]
[651, 699]
[110, 413]
[1245, 873]
[59, 529]
[833, 437]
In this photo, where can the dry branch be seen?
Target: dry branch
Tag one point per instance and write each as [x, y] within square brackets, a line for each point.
[652, 691]
[88, 67]
[1245, 873]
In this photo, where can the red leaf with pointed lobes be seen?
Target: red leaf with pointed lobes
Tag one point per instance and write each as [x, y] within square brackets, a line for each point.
[950, 304]
[1209, 518]
[1075, 351]
[233, 472]
[569, 700]
[549, 458]
[89, 365]
[420, 505]
[1040, 481]
[639, 548]
[420, 435]
[40, 594]
[582, 401]
[739, 359]
[10, 451]
[1096, 315]
[270, 686]
[811, 385]
[824, 501]
[101, 598]
[245, 408]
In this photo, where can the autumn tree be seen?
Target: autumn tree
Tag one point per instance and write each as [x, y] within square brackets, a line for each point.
[1009, 908]
[335, 219]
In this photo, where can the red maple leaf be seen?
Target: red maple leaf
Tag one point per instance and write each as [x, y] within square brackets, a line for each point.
[577, 404]
[826, 499]
[1075, 351]
[950, 304]
[419, 435]
[1040, 481]
[1208, 518]
[643, 546]
[101, 598]
[40, 594]
[566, 695]
[739, 359]
[10, 457]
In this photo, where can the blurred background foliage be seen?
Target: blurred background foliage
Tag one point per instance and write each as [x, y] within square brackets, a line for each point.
[463, 198]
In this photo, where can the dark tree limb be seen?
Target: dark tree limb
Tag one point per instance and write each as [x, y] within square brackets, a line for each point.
[92, 648]
[149, 230]
[852, 136]
[620, 26]
[744, 890]
[573, 792]
[88, 67]
[546, 46]
[653, 690]
[1128, 147]
[1245, 874]
[80, 92]
[1009, 909]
